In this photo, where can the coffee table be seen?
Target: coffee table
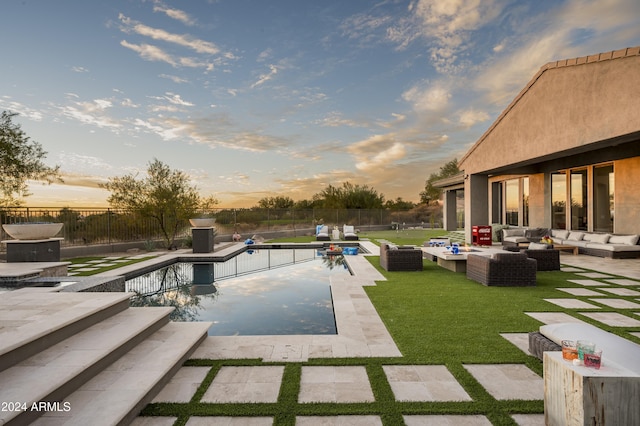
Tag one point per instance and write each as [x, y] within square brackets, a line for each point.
[457, 262]
[566, 247]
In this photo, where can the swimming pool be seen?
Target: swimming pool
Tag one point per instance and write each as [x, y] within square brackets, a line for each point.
[257, 292]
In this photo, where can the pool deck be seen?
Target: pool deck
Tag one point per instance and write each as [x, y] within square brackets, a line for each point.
[361, 333]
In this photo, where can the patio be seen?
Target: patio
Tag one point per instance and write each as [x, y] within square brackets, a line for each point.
[357, 377]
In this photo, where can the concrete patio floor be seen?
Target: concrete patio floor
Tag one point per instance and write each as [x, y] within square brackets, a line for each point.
[362, 334]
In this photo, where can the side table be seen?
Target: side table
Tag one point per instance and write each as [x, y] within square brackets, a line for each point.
[577, 395]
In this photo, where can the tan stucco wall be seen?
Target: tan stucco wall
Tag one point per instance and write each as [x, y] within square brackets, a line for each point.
[538, 195]
[566, 107]
[627, 196]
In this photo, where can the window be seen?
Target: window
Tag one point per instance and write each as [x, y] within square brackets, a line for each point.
[591, 192]
[603, 205]
[496, 202]
[559, 200]
[579, 216]
[512, 201]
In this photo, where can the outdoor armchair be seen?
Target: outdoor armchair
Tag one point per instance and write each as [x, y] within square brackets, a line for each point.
[394, 258]
[503, 270]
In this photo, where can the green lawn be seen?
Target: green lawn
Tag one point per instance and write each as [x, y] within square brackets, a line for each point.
[435, 317]
[82, 260]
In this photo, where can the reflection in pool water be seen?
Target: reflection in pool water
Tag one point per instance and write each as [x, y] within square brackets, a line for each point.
[276, 291]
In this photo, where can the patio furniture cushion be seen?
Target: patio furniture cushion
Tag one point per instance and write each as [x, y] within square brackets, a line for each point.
[630, 240]
[575, 236]
[322, 233]
[349, 232]
[614, 348]
[513, 232]
[563, 234]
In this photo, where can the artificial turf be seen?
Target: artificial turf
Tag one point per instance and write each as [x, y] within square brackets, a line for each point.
[435, 317]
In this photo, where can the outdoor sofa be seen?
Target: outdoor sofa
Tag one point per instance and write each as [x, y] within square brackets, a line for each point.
[400, 258]
[599, 244]
[590, 243]
[502, 270]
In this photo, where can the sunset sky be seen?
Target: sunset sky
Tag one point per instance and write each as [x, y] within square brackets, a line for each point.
[283, 97]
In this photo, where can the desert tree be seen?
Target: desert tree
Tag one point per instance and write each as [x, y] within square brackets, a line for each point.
[21, 160]
[165, 195]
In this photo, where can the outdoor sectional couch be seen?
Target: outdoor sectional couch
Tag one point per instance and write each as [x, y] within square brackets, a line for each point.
[399, 258]
[599, 244]
[590, 243]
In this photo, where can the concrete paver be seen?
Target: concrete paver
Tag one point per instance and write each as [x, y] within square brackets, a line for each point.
[335, 384]
[245, 384]
[424, 383]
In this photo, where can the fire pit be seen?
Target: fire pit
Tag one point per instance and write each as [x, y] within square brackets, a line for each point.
[33, 242]
[32, 230]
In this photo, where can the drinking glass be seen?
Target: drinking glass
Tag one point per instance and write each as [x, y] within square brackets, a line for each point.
[585, 347]
[593, 359]
[569, 351]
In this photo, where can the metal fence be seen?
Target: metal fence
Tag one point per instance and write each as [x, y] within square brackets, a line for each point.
[109, 226]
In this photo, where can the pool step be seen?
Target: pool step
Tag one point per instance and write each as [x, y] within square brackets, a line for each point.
[91, 348]
[34, 319]
[120, 392]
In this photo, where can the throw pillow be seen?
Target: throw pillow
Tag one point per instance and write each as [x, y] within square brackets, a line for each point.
[576, 236]
[600, 238]
[560, 233]
[630, 240]
[513, 232]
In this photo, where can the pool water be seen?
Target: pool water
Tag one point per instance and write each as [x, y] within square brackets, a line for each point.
[263, 292]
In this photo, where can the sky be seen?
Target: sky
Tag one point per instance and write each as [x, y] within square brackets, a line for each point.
[255, 99]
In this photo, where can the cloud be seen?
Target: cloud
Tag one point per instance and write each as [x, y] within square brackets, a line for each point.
[560, 34]
[174, 78]
[176, 14]
[431, 98]
[398, 119]
[185, 40]
[80, 164]
[173, 98]
[273, 70]
[21, 109]
[385, 149]
[92, 112]
[150, 53]
[365, 28]
[335, 119]
[79, 69]
[445, 26]
[469, 117]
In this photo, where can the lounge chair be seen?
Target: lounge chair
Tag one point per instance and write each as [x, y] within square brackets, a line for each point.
[322, 233]
[349, 233]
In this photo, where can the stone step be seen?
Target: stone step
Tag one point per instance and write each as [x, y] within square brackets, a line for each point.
[57, 371]
[32, 320]
[120, 392]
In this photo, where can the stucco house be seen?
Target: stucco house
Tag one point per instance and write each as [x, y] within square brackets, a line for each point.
[565, 153]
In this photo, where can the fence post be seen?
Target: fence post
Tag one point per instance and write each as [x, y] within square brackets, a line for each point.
[109, 226]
